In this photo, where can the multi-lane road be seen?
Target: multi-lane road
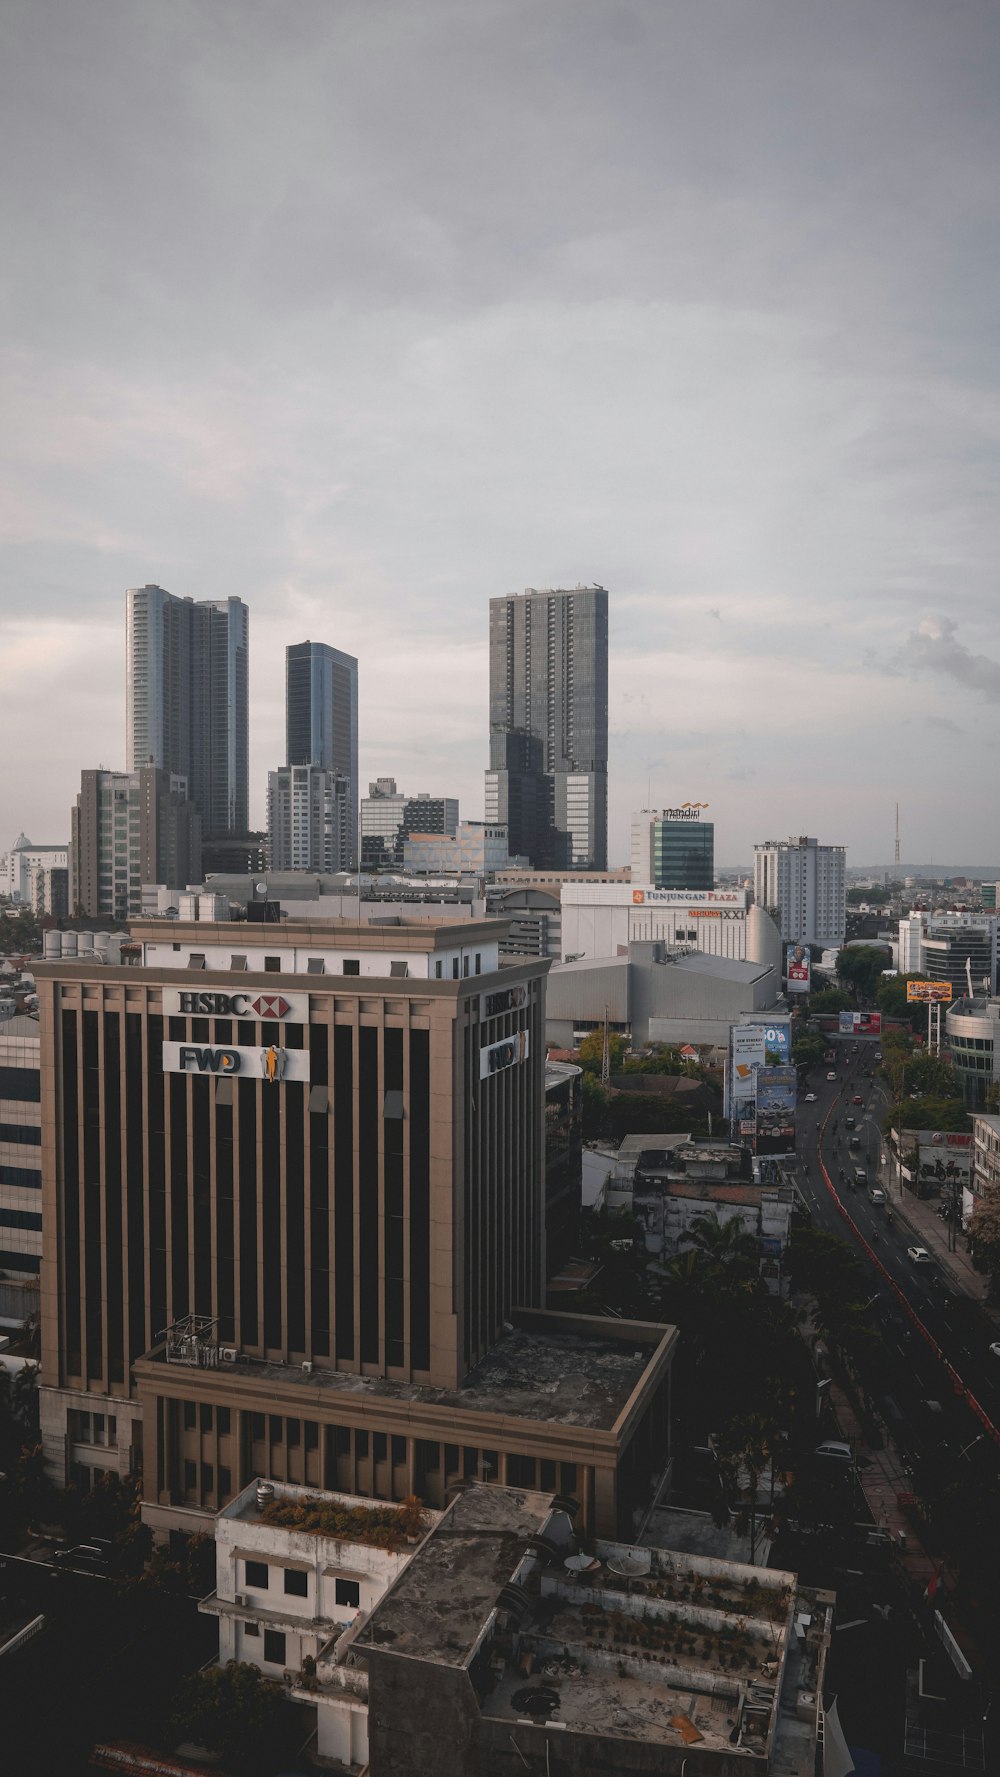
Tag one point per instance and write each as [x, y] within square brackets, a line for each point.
[936, 1338]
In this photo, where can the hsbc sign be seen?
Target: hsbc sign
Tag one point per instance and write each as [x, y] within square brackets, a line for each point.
[190, 1003]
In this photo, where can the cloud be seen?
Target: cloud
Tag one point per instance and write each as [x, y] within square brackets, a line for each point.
[934, 648]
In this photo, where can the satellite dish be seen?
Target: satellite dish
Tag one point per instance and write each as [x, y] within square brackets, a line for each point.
[260, 888]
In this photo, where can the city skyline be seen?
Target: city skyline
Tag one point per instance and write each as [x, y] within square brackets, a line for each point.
[711, 325]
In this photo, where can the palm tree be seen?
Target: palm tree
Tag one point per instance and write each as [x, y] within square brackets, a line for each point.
[722, 1242]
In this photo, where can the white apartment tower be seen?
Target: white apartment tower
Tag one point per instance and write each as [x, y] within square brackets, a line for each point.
[804, 883]
[309, 819]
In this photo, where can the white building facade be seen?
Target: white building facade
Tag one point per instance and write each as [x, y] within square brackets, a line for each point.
[805, 883]
[309, 819]
[19, 865]
[289, 1599]
[601, 919]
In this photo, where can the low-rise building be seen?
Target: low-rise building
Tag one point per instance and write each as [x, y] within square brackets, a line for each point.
[601, 919]
[670, 1183]
[297, 1573]
[654, 994]
[507, 1645]
[20, 865]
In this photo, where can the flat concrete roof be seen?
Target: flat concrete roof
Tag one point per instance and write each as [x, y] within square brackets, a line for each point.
[551, 1375]
[436, 1609]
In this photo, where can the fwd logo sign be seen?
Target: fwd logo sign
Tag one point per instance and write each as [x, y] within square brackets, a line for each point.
[208, 1061]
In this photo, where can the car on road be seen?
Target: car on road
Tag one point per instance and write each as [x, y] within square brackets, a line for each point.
[854, 1141]
[995, 1348]
[857, 1099]
[810, 1098]
[837, 1451]
[878, 1055]
[876, 1196]
[919, 1255]
[831, 1075]
[849, 1122]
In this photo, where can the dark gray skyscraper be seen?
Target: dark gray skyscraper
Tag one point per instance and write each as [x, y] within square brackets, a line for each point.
[321, 717]
[188, 698]
[548, 776]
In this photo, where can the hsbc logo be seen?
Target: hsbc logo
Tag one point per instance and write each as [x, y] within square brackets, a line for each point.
[233, 1005]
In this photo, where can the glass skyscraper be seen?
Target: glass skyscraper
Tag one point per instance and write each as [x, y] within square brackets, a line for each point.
[321, 718]
[188, 698]
[673, 848]
[548, 774]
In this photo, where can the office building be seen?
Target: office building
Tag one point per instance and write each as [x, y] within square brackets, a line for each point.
[802, 884]
[48, 890]
[130, 827]
[309, 819]
[298, 1177]
[19, 865]
[321, 719]
[188, 699]
[20, 1148]
[673, 848]
[548, 774]
[972, 1030]
[476, 848]
[388, 818]
[960, 948]
[649, 995]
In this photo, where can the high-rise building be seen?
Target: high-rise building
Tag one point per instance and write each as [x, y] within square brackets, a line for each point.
[804, 884]
[130, 828]
[388, 818]
[188, 698]
[295, 1175]
[673, 848]
[321, 718]
[308, 819]
[548, 776]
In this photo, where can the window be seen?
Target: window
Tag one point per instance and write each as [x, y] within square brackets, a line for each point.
[479, 963]
[190, 1416]
[348, 1592]
[251, 1628]
[380, 1446]
[454, 968]
[238, 963]
[277, 1429]
[274, 1647]
[272, 966]
[296, 1583]
[438, 968]
[257, 1427]
[196, 960]
[311, 1435]
[207, 1477]
[222, 1421]
[399, 968]
[257, 1576]
[352, 965]
[206, 1418]
[294, 1434]
[225, 1484]
[315, 965]
[190, 1477]
[465, 966]
[398, 1451]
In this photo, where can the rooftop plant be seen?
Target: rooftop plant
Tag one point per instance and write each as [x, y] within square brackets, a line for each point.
[381, 1527]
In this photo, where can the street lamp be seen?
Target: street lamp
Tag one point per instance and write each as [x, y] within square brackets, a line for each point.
[971, 1446]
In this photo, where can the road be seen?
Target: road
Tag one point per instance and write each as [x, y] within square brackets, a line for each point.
[909, 1373]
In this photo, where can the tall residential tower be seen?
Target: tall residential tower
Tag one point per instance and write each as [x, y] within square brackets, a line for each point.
[548, 775]
[188, 698]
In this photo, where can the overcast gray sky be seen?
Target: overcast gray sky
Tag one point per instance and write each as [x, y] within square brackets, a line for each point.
[367, 311]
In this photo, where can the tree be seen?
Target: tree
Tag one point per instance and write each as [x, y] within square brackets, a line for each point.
[984, 1239]
[723, 1242]
[235, 1712]
[927, 1113]
[830, 999]
[808, 1050]
[890, 997]
[590, 1054]
[860, 967]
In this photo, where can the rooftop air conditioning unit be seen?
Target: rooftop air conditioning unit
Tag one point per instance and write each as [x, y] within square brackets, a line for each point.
[228, 1354]
[307, 1368]
[241, 1600]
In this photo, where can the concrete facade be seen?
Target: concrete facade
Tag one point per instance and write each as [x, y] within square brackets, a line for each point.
[651, 997]
[806, 884]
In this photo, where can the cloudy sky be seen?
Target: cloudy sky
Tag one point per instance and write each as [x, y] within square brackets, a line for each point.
[367, 310]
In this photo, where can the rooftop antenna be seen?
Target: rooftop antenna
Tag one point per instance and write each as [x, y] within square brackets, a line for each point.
[606, 1054]
[897, 838]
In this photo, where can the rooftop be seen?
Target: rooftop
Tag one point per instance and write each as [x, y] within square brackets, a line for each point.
[341, 1517]
[540, 1370]
[623, 1643]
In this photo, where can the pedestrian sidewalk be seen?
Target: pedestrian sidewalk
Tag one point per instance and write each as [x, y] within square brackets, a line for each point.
[887, 1488]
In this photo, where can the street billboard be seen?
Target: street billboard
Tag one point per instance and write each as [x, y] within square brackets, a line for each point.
[747, 1053]
[798, 962]
[944, 1158]
[860, 1024]
[921, 991]
[776, 1097]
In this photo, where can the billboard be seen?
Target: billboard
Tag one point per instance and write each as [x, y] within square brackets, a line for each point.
[944, 1159]
[494, 1058]
[777, 1040]
[747, 1052]
[686, 898]
[798, 962]
[776, 1097]
[860, 1024]
[225, 1060]
[941, 991]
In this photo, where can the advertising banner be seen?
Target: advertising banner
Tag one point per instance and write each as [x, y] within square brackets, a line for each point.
[921, 991]
[776, 1098]
[943, 1159]
[510, 1052]
[860, 1024]
[777, 1041]
[746, 1054]
[193, 1002]
[798, 963]
[686, 898]
[225, 1060]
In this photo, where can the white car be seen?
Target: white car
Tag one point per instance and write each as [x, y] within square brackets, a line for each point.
[810, 1098]
[878, 1196]
[839, 1452]
[831, 1076]
[919, 1255]
[995, 1348]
